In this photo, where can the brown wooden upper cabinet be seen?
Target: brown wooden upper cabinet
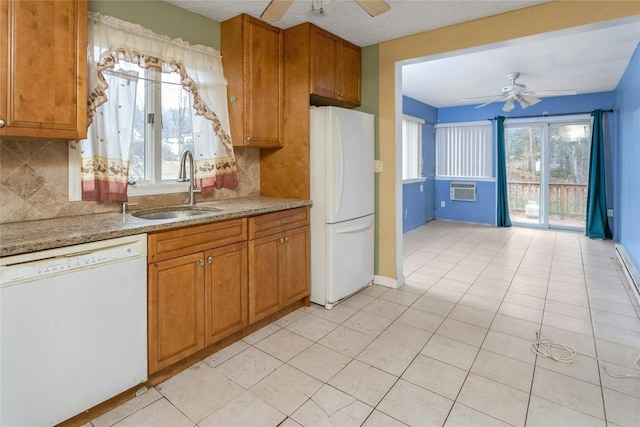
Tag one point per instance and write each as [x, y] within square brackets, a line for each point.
[335, 68]
[43, 68]
[252, 54]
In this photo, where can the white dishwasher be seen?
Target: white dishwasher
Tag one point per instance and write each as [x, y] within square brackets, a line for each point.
[73, 329]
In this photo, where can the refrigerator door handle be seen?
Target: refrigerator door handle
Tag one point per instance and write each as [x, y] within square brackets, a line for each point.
[355, 228]
[340, 171]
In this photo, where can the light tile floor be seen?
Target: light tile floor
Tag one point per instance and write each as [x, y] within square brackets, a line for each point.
[450, 348]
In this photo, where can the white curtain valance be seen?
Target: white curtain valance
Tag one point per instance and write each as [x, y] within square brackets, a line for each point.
[200, 68]
[203, 64]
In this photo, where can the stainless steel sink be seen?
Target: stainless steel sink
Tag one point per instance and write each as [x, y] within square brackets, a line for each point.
[171, 212]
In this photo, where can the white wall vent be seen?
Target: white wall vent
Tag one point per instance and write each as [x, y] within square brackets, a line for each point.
[463, 191]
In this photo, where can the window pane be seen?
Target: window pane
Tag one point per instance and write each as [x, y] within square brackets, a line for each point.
[523, 147]
[177, 135]
[137, 167]
[411, 140]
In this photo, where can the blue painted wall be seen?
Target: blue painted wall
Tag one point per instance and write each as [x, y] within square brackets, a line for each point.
[627, 96]
[414, 198]
[413, 201]
[484, 210]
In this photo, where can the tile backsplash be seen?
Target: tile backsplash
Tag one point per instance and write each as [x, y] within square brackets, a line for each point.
[34, 181]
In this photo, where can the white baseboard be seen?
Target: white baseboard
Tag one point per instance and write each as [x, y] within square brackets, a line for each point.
[630, 271]
[388, 281]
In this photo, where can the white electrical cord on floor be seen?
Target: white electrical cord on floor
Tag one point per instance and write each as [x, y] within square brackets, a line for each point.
[565, 353]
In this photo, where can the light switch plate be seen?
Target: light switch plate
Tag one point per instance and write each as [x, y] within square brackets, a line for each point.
[378, 166]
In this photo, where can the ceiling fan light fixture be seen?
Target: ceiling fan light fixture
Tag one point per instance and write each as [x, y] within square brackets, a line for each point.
[509, 105]
[523, 102]
[316, 10]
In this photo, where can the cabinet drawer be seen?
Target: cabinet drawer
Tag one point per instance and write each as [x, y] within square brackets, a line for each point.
[265, 225]
[171, 244]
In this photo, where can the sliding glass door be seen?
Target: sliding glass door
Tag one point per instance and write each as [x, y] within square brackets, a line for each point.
[548, 171]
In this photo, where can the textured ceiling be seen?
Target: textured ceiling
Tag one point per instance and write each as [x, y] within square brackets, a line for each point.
[347, 19]
[589, 60]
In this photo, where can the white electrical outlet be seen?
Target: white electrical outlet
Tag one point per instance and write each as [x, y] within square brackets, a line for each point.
[442, 203]
[421, 188]
[378, 166]
[610, 213]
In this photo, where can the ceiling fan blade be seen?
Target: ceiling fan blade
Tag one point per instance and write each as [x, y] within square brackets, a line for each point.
[531, 100]
[374, 7]
[477, 98]
[492, 101]
[275, 10]
[555, 92]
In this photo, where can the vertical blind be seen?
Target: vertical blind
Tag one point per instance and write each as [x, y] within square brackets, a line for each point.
[464, 150]
[411, 147]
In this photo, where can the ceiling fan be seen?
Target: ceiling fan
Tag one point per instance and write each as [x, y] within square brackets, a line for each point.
[277, 8]
[518, 92]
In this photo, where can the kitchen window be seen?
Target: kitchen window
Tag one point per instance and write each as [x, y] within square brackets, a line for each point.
[162, 131]
[150, 98]
[411, 148]
[464, 150]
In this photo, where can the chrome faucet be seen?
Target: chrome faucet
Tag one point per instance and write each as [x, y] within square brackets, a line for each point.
[182, 175]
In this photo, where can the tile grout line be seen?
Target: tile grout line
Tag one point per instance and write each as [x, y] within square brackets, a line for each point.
[593, 335]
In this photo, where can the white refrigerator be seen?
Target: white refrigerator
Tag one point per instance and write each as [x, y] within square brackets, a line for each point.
[342, 191]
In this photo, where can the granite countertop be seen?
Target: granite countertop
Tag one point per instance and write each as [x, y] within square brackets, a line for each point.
[30, 236]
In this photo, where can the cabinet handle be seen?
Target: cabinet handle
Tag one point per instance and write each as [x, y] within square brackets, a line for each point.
[202, 262]
[2, 123]
[281, 240]
[286, 239]
[248, 138]
[283, 221]
[210, 260]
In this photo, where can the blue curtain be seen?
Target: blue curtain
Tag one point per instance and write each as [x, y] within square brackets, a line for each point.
[597, 224]
[503, 219]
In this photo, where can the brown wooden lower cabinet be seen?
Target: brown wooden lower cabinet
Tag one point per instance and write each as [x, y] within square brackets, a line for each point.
[195, 299]
[265, 272]
[175, 310]
[297, 265]
[198, 299]
[225, 291]
[279, 263]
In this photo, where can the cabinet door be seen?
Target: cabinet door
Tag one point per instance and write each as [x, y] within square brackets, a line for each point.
[175, 309]
[225, 291]
[324, 71]
[348, 86]
[265, 272]
[296, 261]
[43, 49]
[263, 85]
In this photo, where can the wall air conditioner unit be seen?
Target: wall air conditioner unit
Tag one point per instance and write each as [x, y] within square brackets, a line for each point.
[463, 191]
